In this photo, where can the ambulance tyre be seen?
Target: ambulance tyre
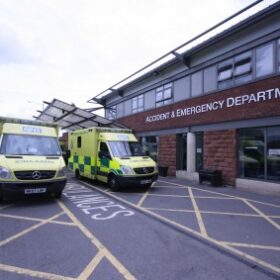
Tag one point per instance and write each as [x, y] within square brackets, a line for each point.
[113, 183]
[77, 174]
[58, 194]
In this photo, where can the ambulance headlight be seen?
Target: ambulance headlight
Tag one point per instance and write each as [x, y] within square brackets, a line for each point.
[5, 173]
[62, 172]
[126, 170]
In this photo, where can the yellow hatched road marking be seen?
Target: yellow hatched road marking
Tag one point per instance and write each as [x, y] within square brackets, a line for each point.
[35, 219]
[176, 186]
[91, 266]
[33, 273]
[200, 197]
[169, 209]
[195, 233]
[262, 214]
[210, 212]
[144, 197]
[253, 246]
[169, 195]
[197, 214]
[4, 242]
[103, 250]
[226, 195]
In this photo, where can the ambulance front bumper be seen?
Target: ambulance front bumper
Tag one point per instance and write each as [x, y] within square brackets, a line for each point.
[128, 181]
[10, 188]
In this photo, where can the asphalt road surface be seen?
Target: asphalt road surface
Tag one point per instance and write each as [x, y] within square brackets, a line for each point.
[91, 235]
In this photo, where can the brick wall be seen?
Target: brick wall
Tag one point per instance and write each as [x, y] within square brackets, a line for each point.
[167, 153]
[220, 153]
[261, 109]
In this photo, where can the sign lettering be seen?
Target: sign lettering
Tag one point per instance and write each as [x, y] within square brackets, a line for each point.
[98, 207]
[229, 102]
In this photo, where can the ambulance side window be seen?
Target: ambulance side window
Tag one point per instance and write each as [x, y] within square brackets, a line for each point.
[104, 151]
[79, 141]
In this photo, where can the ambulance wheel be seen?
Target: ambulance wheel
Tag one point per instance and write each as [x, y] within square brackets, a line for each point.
[58, 194]
[113, 183]
[77, 174]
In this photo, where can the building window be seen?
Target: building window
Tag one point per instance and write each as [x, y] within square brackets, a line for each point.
[225, 74]
[150, 146]
[237, 70]
[164, 95]
[264, 60]
[259, 153]
[242, 67]
[138, 104]
[198, 151]
[279, 55]
[112, 113]
[181, 148]
[79, 142]
[242, 70]
[273, 153]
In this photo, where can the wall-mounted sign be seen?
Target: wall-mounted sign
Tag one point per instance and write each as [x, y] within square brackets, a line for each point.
[229, 102]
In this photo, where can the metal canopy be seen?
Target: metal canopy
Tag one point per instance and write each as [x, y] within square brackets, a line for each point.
[70, 117]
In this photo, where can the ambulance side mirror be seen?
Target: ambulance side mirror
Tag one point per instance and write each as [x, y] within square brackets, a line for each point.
[68, 154]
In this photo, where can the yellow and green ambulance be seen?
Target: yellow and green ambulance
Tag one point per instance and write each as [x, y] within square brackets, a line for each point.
[30, 158]
[110, 155]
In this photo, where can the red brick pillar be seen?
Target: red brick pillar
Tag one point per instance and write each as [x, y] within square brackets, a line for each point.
[167, 153]
[220, 152]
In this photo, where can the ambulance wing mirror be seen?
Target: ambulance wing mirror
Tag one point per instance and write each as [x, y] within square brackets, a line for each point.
[68, 154]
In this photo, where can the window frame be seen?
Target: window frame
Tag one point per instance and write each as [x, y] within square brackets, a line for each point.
[79, 141]
[272, 43]
[265, 156]
[138, 101]
[164, 99]
[278, 53]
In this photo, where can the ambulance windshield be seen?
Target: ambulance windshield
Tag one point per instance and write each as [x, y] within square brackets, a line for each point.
[126, 149]
[13, 144]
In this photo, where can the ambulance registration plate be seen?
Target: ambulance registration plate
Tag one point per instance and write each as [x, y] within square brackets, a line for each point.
[37, 190]
[143, 182]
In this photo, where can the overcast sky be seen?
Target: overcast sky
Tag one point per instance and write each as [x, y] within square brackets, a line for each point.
[74, 49]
